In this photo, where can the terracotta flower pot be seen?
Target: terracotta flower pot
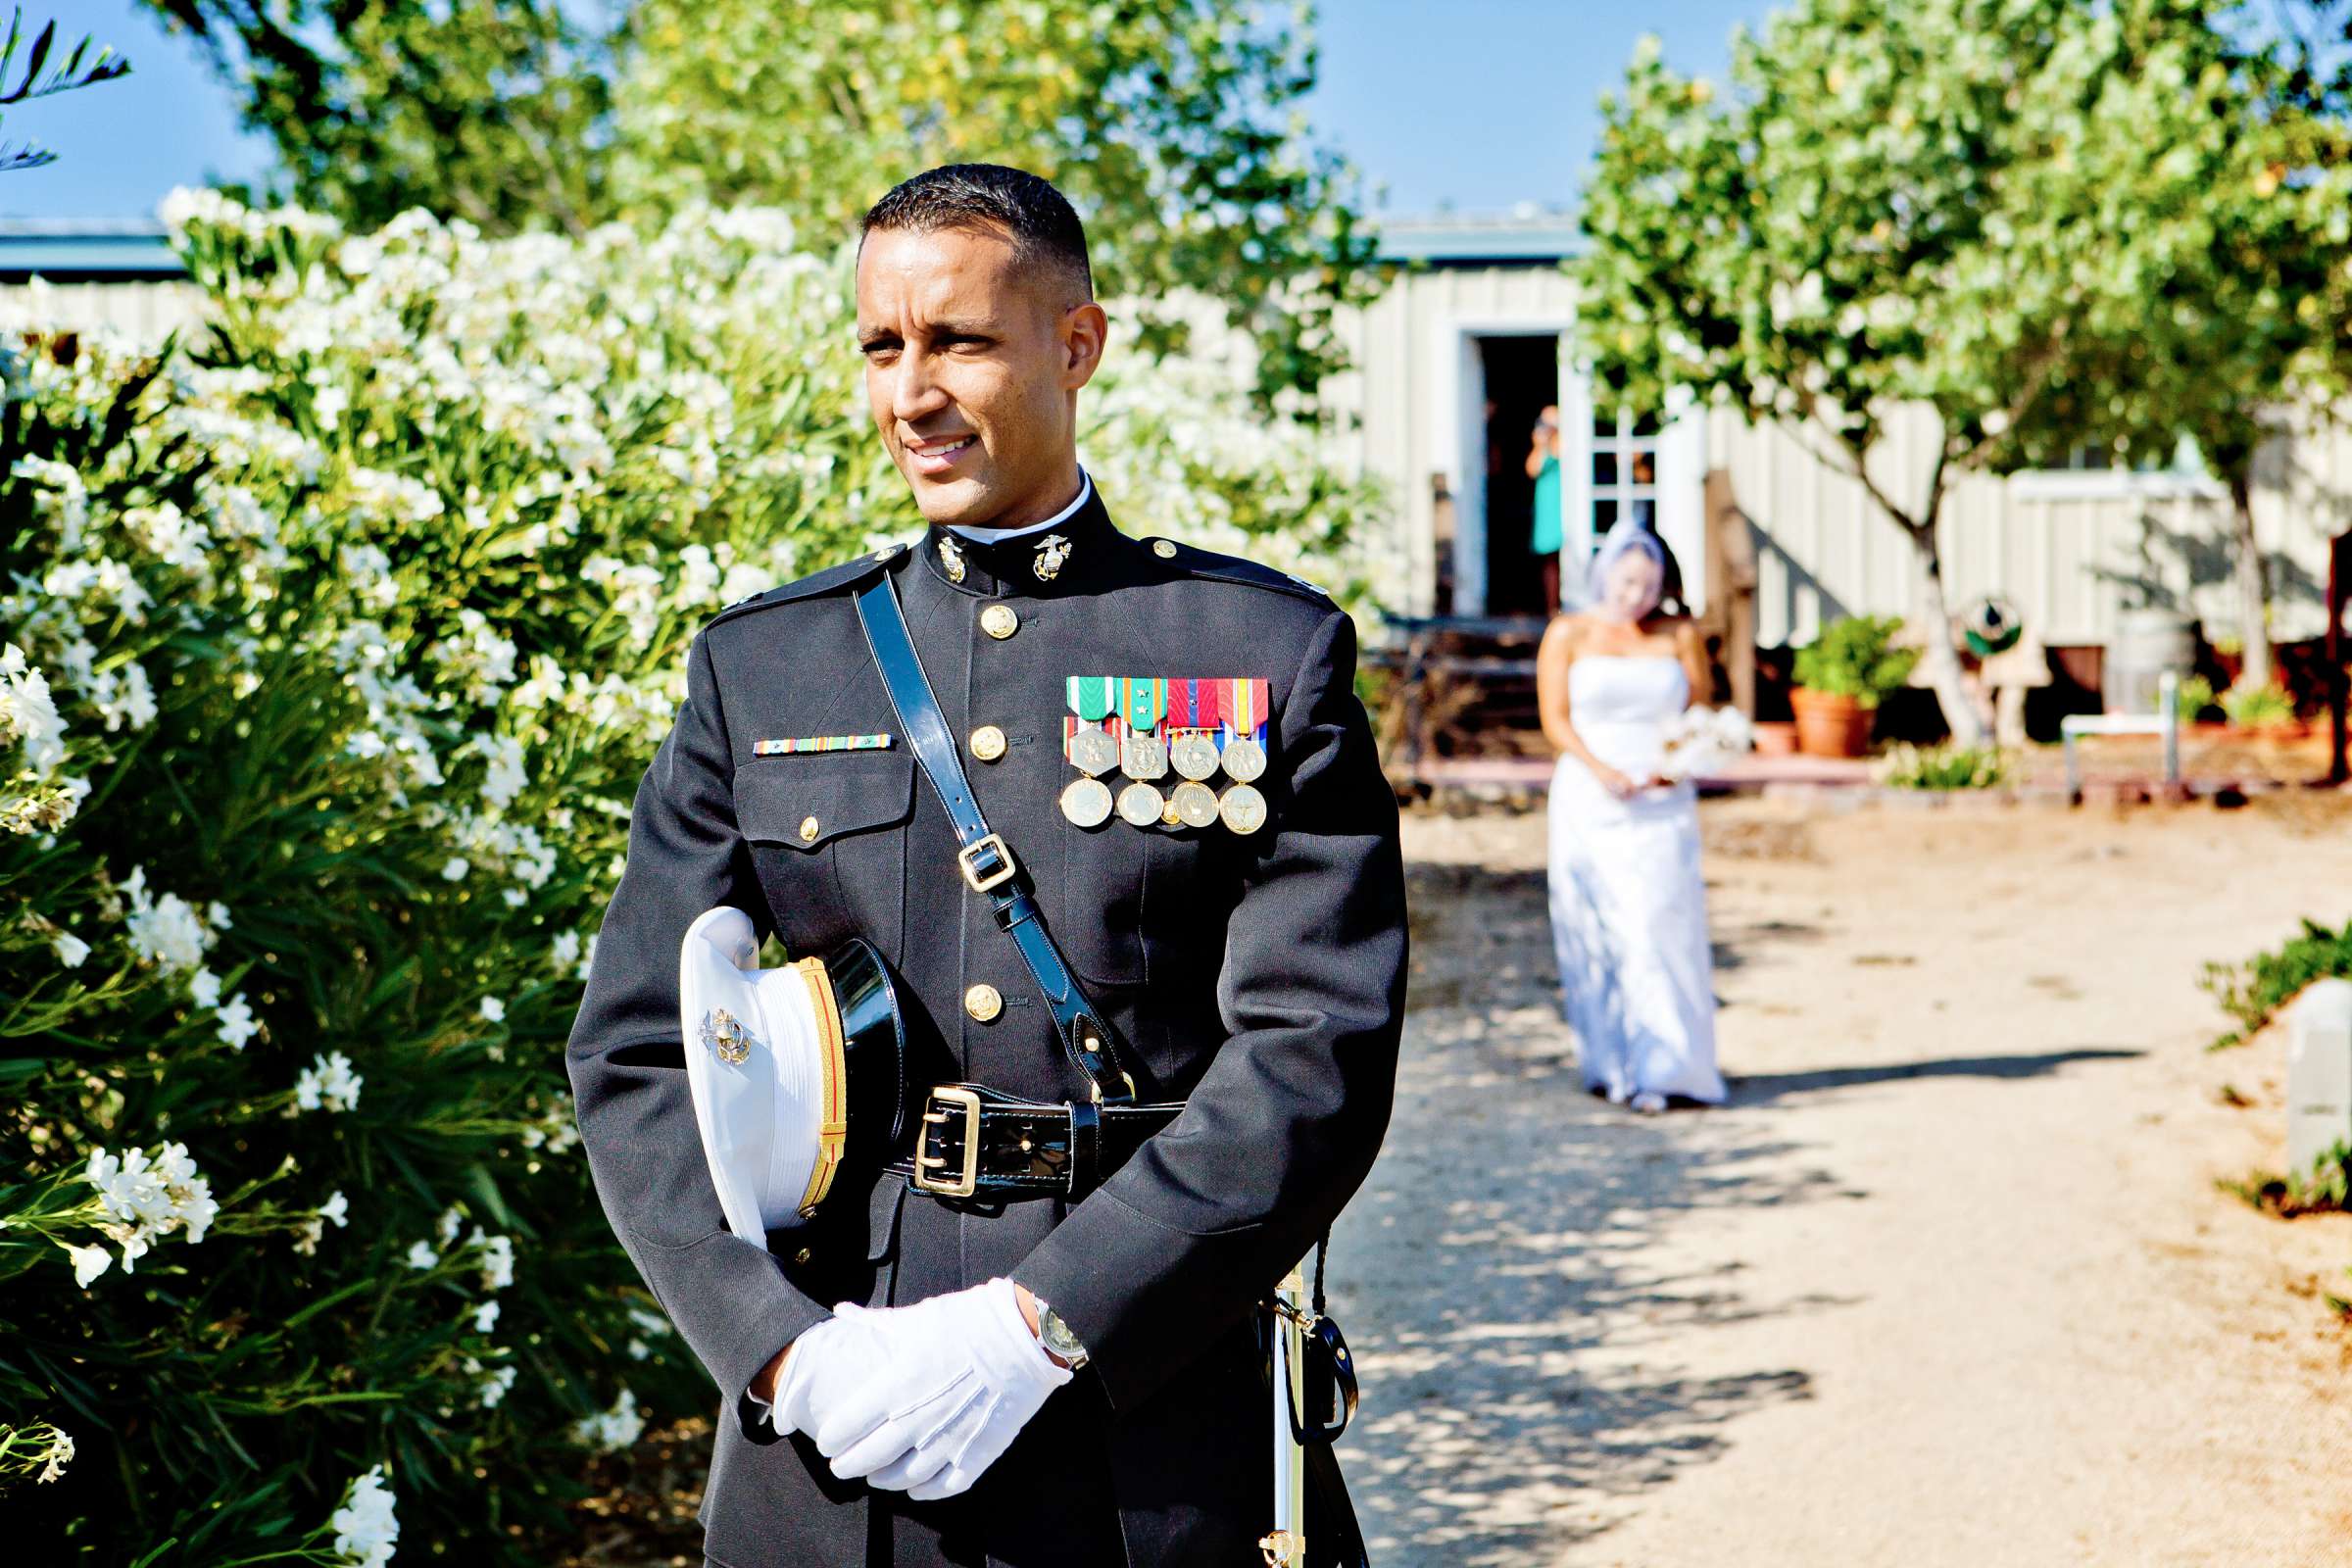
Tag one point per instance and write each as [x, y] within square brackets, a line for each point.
[1830, 723]
[1775, 738]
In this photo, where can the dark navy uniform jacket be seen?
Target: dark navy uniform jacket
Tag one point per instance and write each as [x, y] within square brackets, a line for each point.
[1259, 978]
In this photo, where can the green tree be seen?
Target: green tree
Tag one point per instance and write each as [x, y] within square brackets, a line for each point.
[492, 110]
[1174, 127]
[79, 69]
[1974, 209]
[2205, 188]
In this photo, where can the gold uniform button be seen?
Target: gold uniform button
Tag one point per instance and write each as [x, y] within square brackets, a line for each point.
[1164, 549]
[808, 830]
[887, 552]
[983, 1003]
[999, 622]
[988, 743]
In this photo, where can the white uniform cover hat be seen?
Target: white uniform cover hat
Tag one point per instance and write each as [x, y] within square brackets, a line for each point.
[795, 1072]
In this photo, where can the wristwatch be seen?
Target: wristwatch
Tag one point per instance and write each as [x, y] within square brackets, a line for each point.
[1056, 1335]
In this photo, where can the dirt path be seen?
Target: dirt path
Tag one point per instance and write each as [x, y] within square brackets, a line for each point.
[1948, 1283]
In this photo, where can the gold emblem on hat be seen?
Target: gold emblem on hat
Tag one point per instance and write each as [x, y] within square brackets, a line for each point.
[724, 1037]
[999, 622]
[951, 556]
[1052, 552]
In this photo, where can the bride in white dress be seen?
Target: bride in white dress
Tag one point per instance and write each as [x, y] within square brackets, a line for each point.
[1628, 915]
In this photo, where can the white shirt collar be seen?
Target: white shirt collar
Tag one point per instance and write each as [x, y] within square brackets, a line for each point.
[991, 536]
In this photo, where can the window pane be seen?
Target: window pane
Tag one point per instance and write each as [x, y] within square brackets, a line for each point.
[1644, 466]
[1604, 467]
[1646, 425]
[1604, 425]
[1645, 512]
[1605, 516]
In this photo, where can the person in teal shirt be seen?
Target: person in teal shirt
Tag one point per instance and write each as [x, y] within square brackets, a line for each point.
[1544, 467]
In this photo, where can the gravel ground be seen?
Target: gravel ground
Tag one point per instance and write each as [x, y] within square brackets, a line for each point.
[1949, 1282]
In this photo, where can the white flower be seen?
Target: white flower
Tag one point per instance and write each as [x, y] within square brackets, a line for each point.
[364, 1527]
[455, 870]
[216, 916]
[61, 1454]
[150, 1198]
[493, 1387]
[335, 1208]
[70, 948]
[486, 1316]
[238, 1027]
[306, 1235]
[28, 714]
[166, 929]
[204, 989]
[611, 1428]
[498, 1258]
[329, 1082]
[565, 950]
[421, 1255]
[89, 1262]
[494, 1010]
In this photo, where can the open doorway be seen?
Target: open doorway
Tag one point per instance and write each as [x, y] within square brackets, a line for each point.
[1521, 373]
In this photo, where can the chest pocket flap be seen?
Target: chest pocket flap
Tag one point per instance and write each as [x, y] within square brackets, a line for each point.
[806, 802]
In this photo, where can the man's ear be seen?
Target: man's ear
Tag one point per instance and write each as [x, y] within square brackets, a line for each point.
[1085, 331]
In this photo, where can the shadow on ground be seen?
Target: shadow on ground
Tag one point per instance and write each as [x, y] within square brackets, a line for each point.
[1765, 1088]
[1496, 1275]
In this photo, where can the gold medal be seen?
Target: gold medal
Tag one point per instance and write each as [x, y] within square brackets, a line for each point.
[1087, 802]
[1140, 803]
[1196, 804]
[1242, 809]
[1094, 752]
[1144, 757]
[1193, 752]
[1244, 759]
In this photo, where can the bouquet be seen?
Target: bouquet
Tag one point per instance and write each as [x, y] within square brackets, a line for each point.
[1704, 740]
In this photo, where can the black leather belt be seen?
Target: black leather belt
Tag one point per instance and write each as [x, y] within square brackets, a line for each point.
[976, 1143]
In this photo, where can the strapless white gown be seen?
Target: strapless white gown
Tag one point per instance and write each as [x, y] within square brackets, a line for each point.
[1628, 908]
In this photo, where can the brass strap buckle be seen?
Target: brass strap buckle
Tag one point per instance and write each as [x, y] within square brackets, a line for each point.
[981, 881]
[965, 1182]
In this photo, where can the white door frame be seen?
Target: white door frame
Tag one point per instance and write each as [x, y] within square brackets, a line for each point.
[1457, 417]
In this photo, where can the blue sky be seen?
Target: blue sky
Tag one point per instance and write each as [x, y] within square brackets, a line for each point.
[1478, 104]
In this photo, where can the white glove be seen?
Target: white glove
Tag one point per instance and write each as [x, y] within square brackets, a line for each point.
[919, 1399]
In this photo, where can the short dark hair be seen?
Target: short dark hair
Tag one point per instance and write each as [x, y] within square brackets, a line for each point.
[1039, 219]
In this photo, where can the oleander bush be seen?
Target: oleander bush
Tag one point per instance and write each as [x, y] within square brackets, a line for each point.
[336, 637]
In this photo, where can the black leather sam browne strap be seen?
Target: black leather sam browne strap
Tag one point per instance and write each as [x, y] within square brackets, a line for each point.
[988, 864]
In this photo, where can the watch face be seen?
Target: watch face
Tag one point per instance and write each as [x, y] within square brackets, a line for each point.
[1056, 1336]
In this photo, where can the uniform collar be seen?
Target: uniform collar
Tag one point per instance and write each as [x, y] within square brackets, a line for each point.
[1070, 553]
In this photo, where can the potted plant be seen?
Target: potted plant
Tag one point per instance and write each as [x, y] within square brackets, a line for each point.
[1842, 677]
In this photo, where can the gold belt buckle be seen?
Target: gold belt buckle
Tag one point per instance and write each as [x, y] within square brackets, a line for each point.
[1003, 872]
[968, 1181]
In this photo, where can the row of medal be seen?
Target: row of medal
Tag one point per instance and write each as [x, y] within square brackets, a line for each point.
[1144, 727]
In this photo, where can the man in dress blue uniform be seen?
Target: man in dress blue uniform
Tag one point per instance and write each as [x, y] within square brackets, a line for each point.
[1059, 1368]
